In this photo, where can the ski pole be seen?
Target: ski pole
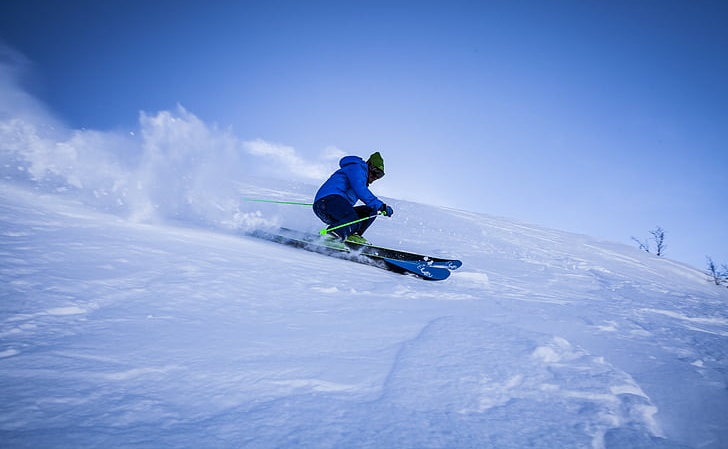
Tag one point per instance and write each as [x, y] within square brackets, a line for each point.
[325, 231]
[295, 203]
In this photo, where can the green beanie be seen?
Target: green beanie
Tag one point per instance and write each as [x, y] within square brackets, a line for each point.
[375, 160]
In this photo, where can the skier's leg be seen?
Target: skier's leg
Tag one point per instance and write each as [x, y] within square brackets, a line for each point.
[335, 210]
[362, 212]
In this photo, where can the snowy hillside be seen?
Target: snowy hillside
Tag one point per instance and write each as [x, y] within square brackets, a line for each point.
[136, 312]
[117, 333]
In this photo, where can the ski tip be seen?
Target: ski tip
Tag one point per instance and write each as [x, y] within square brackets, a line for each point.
[419, 268]
[449, 264]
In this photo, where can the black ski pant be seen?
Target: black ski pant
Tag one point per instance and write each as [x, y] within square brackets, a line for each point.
[335, 210]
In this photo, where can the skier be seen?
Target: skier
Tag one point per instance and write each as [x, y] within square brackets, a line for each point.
[335, 199]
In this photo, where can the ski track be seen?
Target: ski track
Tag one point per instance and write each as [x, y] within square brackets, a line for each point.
[120, 334]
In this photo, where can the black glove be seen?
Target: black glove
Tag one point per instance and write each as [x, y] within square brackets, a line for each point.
[386, 210]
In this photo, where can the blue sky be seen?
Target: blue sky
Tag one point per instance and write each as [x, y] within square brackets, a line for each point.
[604, 118]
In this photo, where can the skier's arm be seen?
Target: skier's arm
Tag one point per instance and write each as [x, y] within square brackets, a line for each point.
[358, 180]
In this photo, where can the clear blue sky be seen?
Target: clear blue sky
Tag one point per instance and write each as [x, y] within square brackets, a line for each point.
[601, 117]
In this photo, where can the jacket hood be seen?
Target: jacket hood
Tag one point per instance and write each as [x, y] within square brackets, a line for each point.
[349, 160]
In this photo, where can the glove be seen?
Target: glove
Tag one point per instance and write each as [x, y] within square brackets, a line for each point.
[386, 210]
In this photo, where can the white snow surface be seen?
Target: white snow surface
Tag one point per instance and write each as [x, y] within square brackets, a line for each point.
[135, 312]
[123, 334]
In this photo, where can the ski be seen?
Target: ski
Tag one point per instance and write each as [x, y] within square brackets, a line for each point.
[377, 251]
[419, 268]
[382, 252]
[429, 268]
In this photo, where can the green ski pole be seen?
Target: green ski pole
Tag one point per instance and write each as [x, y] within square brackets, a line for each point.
[325, 231]
[295, 203]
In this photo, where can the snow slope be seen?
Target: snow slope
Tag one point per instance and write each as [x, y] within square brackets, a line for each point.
[134, 312]
[116, 333]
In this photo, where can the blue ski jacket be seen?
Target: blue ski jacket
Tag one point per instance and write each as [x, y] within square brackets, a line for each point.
[350, 181]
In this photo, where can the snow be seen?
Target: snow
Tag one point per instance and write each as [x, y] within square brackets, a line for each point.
[119, 334]
[135, 312]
